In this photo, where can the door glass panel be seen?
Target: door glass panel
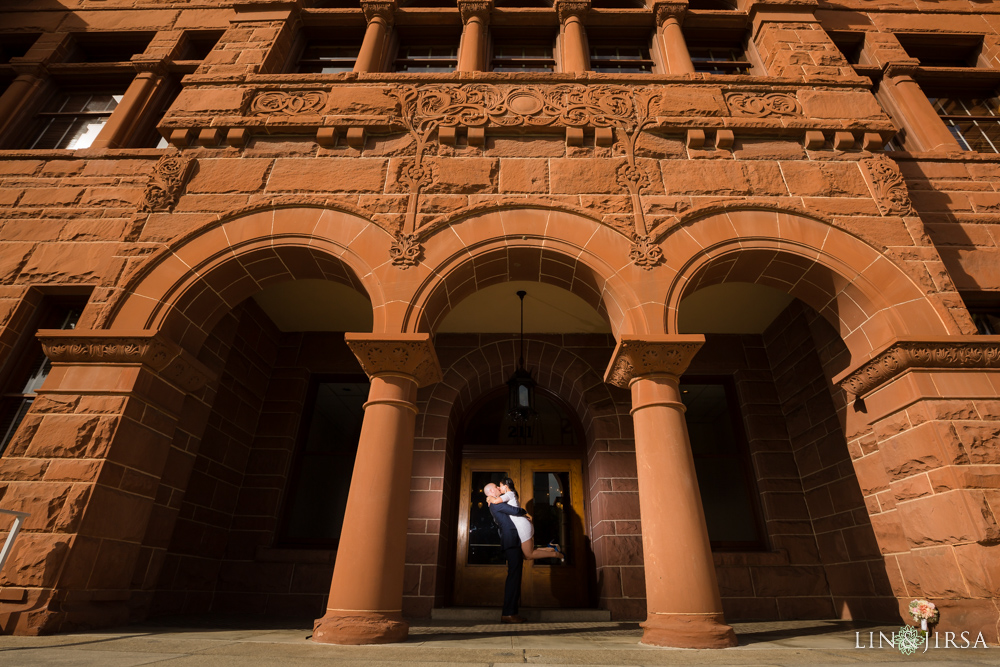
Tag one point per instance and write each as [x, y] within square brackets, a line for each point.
[549, 513]
[484, 540]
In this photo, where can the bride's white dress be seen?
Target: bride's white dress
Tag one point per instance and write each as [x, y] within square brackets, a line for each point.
[525, 531]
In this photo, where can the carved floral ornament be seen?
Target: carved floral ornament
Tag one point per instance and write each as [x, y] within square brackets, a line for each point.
[887, 185]
[288, 103]
[401, 354]
[905, 355]
[165, 184]
[106, 347]
[762, 105]
[651, 355]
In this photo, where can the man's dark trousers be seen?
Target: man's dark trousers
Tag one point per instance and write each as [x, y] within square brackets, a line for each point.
[511, 545]
[512, 586]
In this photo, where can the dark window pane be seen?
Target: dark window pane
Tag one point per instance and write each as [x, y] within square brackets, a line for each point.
[549, 513]
[484, 539]
[318, 493]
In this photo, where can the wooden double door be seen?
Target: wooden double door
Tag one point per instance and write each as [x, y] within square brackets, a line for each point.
[551, 490]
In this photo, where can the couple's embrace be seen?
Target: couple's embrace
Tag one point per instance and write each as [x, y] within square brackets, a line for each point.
[517, 541]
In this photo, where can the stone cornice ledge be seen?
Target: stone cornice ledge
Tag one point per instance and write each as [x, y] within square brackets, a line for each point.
[126, 347]
[652, 354]
[954, 352]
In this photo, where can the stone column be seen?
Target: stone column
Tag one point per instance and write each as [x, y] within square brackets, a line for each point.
[670, 38]
[575, 51]
[379, 14]
[682, 594]
[366, 594]
[86, 463]
[923, 431]
[20, 95]
[121, 124]
[925, 131]
[476, 21]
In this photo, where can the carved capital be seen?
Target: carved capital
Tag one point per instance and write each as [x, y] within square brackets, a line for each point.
[475, 9]
[141, 63]
[568, 8]
[958, 352]
[28, 68]
[900, 70]
[378, 9]
[654, 354]
[411, 355]
[669, 10]
[169, 360]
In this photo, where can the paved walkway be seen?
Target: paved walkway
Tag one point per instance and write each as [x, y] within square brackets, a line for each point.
[250, 643]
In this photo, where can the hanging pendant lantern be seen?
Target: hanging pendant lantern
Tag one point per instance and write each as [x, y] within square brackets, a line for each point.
[521, 386]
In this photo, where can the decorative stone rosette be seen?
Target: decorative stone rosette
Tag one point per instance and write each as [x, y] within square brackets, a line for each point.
[962, 352]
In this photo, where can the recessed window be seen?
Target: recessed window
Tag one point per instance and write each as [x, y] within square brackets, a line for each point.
[972, 119]
[73, 120]
[721, 461]
[33, 367]
[316, 495]
[427, 58]
[198, 45]
[942, 50]
[15, 45]
[104, 47]
[851, 44]
[523, 56]
[326, 57]
[718, 51]
[620, 58]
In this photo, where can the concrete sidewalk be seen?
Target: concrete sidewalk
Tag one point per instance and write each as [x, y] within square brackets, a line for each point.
[247, 643]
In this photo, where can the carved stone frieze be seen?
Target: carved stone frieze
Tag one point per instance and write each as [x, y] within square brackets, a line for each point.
[110, 347]
[400, 354]
[972, 352]
[761, 105]
[288, 103]
[887, 185]
[661, 354]
[405, 250]
[165, 184]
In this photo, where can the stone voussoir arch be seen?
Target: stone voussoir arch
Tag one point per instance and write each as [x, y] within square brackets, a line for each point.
[542, 244]
[866, 297]
[185, 287]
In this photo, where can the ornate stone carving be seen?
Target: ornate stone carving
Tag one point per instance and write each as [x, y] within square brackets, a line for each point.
[378, 9]
[651, 355]
[405, 250]
[402, 354]
[645, 253]
[761, 105]
[669, 10]
[111, 347]
[475, 9]
[887, 185]
[568, 8]
[969, 352]
[165, 184]
[288, 103]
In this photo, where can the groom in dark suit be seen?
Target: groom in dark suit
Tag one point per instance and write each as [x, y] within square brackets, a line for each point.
[511, 545]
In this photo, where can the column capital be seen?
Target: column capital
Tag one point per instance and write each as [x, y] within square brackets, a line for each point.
[379, 9]
[569, 8]
[142, 346]
[475, 9]
[953, 352]
[669, 10]
[901, 69]
[24, 67]
[412, 355]
[654, 354]
[151, 64]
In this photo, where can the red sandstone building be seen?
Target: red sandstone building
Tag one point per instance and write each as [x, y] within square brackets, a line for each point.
[759, 245]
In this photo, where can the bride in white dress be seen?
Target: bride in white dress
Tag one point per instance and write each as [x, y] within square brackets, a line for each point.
[525, 529]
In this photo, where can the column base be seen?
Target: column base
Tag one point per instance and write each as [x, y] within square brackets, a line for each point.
[688, 631]
[360, 627]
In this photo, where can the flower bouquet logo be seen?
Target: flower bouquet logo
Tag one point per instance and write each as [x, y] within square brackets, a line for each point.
[909, 638]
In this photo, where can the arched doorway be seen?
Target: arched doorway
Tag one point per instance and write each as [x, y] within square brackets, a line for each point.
[544, 458]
